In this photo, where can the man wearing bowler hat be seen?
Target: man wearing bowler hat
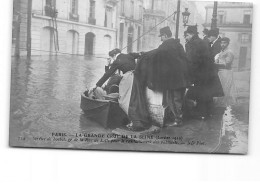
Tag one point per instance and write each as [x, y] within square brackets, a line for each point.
[200, 68]
[170, 75]
[202, 73]
[205, 33]
[214, 40]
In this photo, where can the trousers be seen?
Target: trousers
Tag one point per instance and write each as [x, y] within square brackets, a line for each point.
[173, 99]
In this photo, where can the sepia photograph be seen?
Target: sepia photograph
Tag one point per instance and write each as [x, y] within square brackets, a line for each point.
[131, 75]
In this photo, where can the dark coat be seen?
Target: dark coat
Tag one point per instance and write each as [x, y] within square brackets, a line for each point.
[123, 62]
[215, 48]
[201, 69]
[164, 68]
[206, 40]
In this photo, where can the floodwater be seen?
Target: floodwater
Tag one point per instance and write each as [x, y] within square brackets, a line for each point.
[45, 99]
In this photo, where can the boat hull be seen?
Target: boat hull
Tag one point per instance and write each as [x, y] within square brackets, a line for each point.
[104, 112]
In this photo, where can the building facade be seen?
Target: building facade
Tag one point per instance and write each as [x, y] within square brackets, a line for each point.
[235, 22]
[130, 25]
[19, 27]
[157, 14]
[83, 27]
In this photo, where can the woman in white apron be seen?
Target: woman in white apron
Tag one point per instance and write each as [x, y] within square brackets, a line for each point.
[224, 61]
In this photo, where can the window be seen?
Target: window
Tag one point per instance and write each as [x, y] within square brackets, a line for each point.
[246, 19]
[14, 30]
[221, 17]
[132, 9]
[108, 17]
[245, 38]
[130, 39]
[92, 11]
[74, 7]
[140, 12]
[152, 24]
[122, 7]
[242, 58]
[139, 40]
[92, 8]
[121, 35]
[50, 9]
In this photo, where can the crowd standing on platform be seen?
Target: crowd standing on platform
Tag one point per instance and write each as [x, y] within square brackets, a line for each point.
[198, 73]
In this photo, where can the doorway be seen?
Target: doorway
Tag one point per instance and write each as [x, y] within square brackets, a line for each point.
[89, 43]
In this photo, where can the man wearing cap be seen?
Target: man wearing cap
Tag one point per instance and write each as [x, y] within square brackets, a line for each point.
[168, 75]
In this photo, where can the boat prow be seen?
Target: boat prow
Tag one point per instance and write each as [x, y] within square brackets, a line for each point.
[105, 112]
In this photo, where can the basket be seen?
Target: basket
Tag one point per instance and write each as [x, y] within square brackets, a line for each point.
[156, 114]
[155, 108]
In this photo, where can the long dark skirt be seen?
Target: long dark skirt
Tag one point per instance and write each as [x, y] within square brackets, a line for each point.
[132, 99]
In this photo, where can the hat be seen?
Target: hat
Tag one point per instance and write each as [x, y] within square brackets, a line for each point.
[192, 30]
[114, 52]
[205, 31]
[165, 30]
[214, 32]
[225, 39]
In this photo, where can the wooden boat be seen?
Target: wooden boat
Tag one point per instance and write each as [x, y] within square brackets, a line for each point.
[105, 112]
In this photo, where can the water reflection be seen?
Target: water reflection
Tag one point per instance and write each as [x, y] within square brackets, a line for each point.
[235, 129]
[45, 91]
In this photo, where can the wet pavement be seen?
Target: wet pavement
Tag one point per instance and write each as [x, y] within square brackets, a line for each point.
[45, 99]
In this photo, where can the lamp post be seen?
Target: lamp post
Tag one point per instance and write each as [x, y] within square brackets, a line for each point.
[178, 18]
[214, 16]
[185, 16]
[29, 25]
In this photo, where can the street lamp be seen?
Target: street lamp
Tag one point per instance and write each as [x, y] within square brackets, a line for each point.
[185, 16]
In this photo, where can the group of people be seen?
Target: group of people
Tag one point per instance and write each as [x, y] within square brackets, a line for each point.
[198, 73]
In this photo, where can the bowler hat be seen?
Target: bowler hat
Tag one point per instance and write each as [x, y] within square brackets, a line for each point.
[114, 52]
[165, 30]
[214, 32]
[192, 30]
[225, 39]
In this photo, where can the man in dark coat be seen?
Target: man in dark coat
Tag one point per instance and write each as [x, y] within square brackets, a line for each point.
[206, 36]
[215, 48]
[215, 41]
[201, 71]
[122, 62]
[136, 105]
[164, 69]
[171, 74]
